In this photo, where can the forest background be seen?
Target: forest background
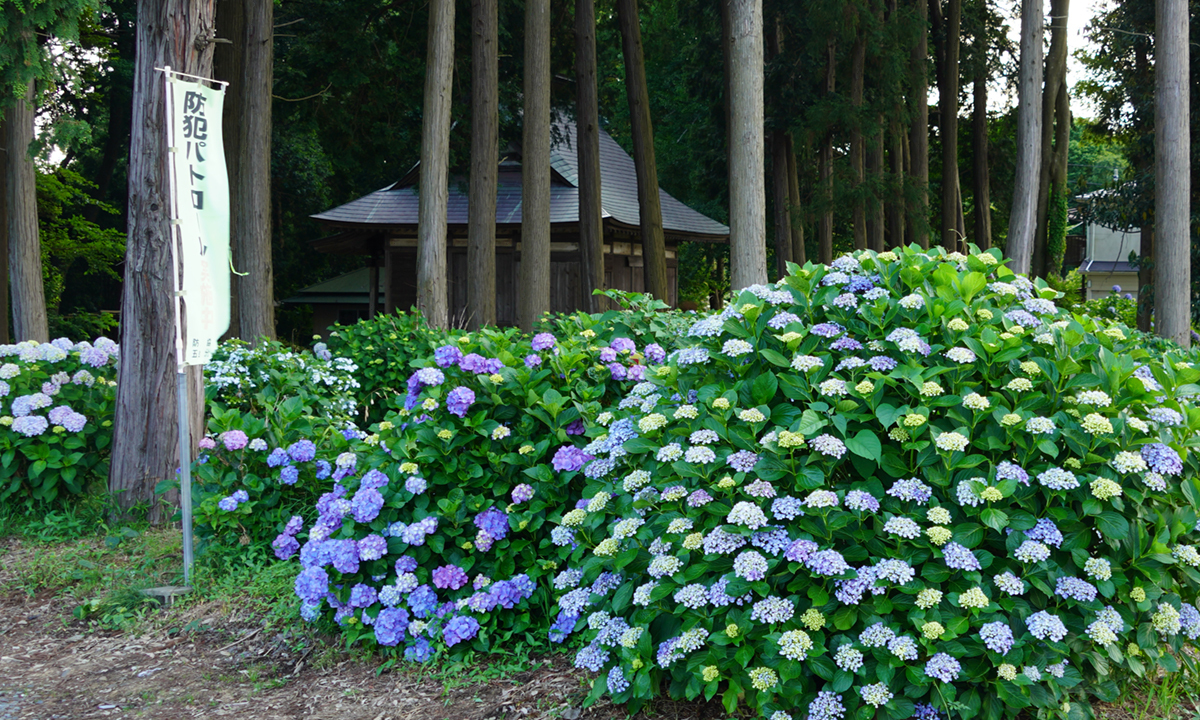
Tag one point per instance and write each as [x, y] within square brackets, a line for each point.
[842, 77]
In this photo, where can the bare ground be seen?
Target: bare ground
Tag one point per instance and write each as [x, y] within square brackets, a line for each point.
[213, 660]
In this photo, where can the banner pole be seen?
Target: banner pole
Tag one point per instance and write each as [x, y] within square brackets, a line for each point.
[185, 440]
[185, 480]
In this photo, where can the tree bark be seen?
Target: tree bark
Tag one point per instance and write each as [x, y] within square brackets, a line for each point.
[533, 297]
[1056, 75]
[799, 255]
[747, 191]
[1056, 233]
[432, 299]
[145, 422]
[485, 161]
[251, 221]
[948, 127]
[24, 243]
[654, 248]
[918, 142]
[875, 215]
[587, 147]
[858, 55]
[825, 170]
[979, 149]
[895, 203]
[1172, 173]
[782, 199]
[1145, 302]
[228, 60]
[4, 329]
[1022, 220]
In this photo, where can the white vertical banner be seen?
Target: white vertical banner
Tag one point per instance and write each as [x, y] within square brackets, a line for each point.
[200, 199]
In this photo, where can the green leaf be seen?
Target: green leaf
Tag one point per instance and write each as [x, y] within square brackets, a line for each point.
[774, 358]
[887, 414]
[810, 423]
[865, 444]
[971, 284]
[1112, 525]
[995, 519]
[764, 387]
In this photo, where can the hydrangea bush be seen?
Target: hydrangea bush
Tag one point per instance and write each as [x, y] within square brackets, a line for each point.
[255, 379]
[906, 485]
[433, 534]
[56, 402]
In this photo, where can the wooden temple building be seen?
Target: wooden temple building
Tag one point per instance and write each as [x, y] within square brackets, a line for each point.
[383, 227]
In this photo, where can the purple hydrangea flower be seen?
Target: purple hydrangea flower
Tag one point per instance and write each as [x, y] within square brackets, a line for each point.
[569, 458]
[742, 460]
[289, 474]
[372, 547]
[1162, 459]
[422, 601]
[285, 546]
[532, 361]
[459, 629]
[542, 341]
[655, 353]
[826, 562]
[362, 595]
[420, 651]
[522, 493]
[459, 400]
[390, 626]
[323, 469]
[449, 577]
[234, 439]
[302, 451]
[312, 584]
[366, 504]
[997, 636]
[447, 355]
[827, 330]
[415, 485]
[958, 557]
[278, 457]
[943, 667]
[1045, 531]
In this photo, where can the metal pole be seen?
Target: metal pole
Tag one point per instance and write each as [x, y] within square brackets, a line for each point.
[185, 476]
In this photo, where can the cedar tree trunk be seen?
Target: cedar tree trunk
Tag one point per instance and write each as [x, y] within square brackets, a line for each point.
[979, 148]
[948, 127]
[799, 255]
[1022, 220]
[1172, 179]
[145, 423]
[533, 296]
[1056, 75]
[747, 191]
[24, 243]
[918, 140]
[587, 148]
[485, 160]
[432, 299]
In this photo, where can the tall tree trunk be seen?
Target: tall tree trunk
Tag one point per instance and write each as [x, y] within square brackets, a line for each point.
[895, 203]
[533, 297]
[145, 431]
[24, 243]
[654, 248]
[1172, 173]
[858, 55]
[979, 148]
[1056, 220]
[432, 296]
[1022, 220]
[747, 191]
[825, 169]
[587, 146]
[485, 160]
[229, 59]
[782, 199]
[875, 215]
[1056, 75]
[918, 142]
[4, 331]
[119, 104]
[948, 127]
[251, 221]
[779, 167]
[799, 255]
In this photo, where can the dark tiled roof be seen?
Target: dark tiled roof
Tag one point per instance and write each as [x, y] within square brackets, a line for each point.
[396, 205]
[1101, 267]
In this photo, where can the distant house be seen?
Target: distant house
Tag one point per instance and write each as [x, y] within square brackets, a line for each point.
[344, 300]
[1105, 261]
[383, 227]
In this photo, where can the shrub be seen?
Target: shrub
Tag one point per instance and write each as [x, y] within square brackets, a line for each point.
[434, 535]
[903, 485]
[638, 316]
[256, 379]
[55, 437]
[1113, 307]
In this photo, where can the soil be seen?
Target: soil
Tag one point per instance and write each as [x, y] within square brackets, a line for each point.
[211, 661]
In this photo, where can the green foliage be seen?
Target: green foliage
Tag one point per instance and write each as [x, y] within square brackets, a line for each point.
[636, 315]
[384, 348]
[74, 245]
[812, 514]
[256, 380]
[55, 438]
[1070, 289]
[1113, 307]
